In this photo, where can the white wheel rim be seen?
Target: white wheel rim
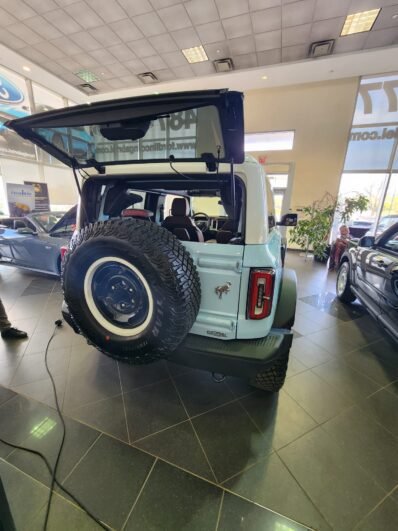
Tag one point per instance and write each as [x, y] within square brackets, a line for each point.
[98, 316]
[342, 280]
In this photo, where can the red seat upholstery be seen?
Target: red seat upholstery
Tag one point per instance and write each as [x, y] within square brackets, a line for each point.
[136, 213]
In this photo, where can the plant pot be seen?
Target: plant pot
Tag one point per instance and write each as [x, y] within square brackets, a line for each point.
[324, 257]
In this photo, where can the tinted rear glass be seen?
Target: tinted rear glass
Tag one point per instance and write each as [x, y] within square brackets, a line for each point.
[186, 135]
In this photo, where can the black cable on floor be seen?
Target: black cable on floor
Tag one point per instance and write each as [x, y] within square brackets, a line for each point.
[53, 471]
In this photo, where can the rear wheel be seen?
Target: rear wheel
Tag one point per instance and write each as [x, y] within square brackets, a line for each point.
[273, 378]
[131, 288]
[343, 284]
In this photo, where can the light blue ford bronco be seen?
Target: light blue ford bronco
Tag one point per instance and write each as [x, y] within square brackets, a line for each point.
[177, 252]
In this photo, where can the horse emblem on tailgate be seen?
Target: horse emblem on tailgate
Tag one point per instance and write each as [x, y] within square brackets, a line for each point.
[225, 288]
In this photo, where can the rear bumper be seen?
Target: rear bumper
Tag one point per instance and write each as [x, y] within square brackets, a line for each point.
[225, 357]
[231, 357]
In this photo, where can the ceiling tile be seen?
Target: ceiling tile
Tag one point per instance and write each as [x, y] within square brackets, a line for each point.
[18, 8]
[256, 5]
[184, 72]
[350, 43]
[6, 18]
[202, 11]
[242, 45]
[126, 30]
[296, 35]
[237, 26]
[137, 7]
[43, 28]
[109, 11]
[54, 68]
[103, 57]
[294, 53]
[85, 41]
[22, 31]
[34, 55]
[163, 43]
[63, 3]
[70, 64]
[268, 41]
[365, 5]
[10, 40]
[297, 13]
[245, 61]
[159, 4]
[266, 20]
[186, 38]
[231, 8]
[325, 9]
[150, 24]
[327, 29]
[49, 50]
[174, 17]
[385, 37]
[84, 15]
[62, 21]
[130, 80]
[102, 86]
[105, 36]
[41, 6]
[173, 59]
[118, 69]
[86, 60]
[142, 48]
[136, 66]
[68, 46]
[385, 20]
[115, 83]
[218, 50]
[154, 63]
[164, 75]
[203, 69]
[271, 57]
[210, 32]
[102, 72]
[122, 52]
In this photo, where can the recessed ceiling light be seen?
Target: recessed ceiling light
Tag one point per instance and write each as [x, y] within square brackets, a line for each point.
[87, 76]
[359, 22]
[195, 55]
[26, 68]
[264, 77]
[395, 16]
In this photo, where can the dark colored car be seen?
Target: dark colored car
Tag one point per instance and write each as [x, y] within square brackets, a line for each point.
[369, 272]
[34, 242]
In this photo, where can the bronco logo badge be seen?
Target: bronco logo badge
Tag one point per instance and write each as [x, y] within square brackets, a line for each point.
[225, 288]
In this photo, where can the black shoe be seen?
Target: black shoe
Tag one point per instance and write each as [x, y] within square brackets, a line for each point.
[13, 333]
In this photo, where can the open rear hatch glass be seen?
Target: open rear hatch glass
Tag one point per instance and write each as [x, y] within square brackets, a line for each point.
[205, 126]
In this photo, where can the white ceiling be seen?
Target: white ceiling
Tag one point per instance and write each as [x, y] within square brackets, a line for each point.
[118, 39]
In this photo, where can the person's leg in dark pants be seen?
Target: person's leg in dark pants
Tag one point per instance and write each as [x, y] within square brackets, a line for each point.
[8, 331]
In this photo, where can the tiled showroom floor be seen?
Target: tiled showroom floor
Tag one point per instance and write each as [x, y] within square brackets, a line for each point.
[164, 448]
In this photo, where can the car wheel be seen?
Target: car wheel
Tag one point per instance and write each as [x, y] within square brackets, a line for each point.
[131, 288]
[343, 284]
[273, 378]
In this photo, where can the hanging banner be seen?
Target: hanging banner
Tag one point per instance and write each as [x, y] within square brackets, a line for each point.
[42, 200]
[21, 199]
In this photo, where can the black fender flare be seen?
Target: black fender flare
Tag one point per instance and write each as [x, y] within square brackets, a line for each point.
[286, 309]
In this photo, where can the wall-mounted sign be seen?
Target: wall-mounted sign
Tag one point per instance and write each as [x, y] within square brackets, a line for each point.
[21, 199]
[9, 93]
[42, 200]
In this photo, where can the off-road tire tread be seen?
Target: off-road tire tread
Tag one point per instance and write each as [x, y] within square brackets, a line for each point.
[273, 378]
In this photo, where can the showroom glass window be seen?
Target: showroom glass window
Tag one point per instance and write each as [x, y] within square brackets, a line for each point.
[372, 152]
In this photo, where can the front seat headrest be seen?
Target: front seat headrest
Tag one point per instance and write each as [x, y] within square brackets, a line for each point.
[180, 207]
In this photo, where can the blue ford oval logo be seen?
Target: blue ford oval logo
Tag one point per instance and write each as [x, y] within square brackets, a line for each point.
[9, 93]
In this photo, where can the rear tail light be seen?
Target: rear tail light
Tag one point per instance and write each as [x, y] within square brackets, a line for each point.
[64, 250]
[261, 291]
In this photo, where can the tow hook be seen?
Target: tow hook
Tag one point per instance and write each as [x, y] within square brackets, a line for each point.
[218, 377]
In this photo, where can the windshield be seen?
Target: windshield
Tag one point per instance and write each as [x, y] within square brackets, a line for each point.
[47, 220]
[184, 135]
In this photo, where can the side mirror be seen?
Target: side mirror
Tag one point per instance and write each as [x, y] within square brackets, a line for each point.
[26, 231]
[366, 241]
[288, 220]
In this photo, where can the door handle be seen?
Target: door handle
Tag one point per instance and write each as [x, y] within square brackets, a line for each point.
[380, 262]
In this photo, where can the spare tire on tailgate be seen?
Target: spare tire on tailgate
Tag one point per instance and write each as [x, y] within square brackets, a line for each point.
[131, 288]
